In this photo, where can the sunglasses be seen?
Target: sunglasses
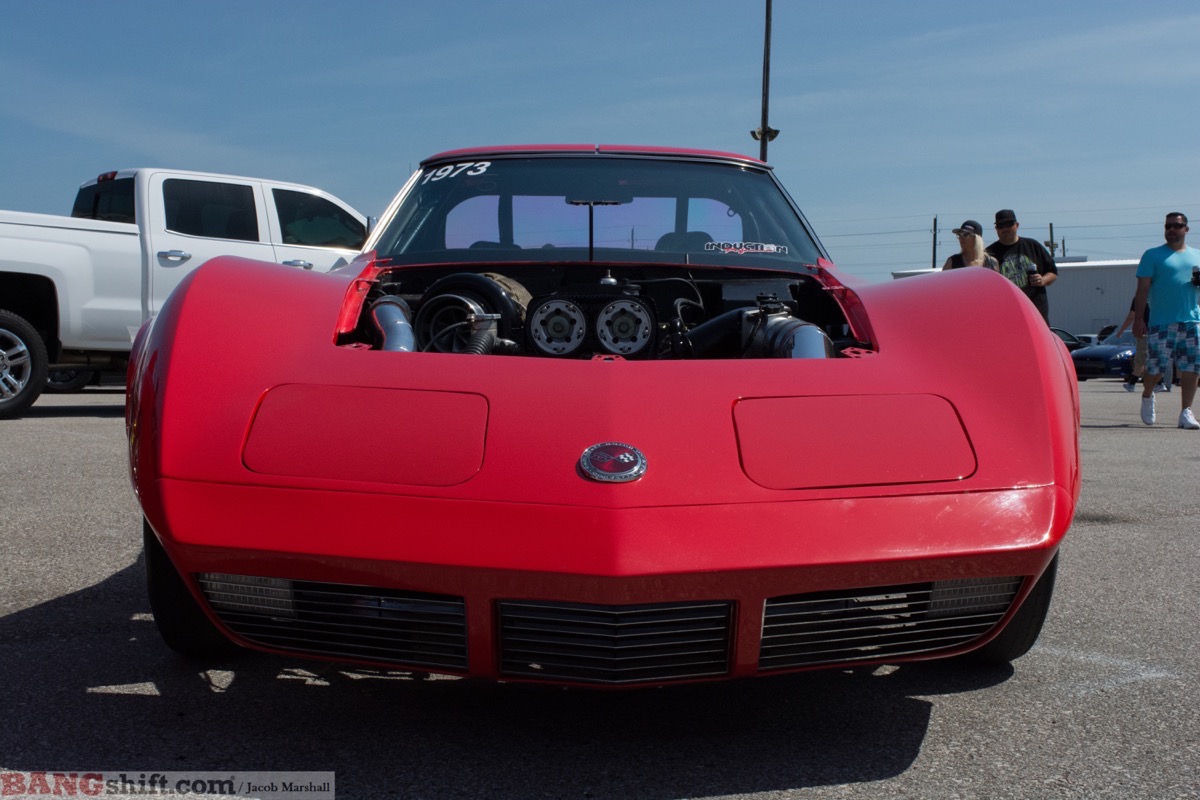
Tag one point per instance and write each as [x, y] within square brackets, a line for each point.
[1174, 226]
[1002, 225]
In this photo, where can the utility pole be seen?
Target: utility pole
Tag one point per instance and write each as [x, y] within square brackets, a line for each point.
[765, 133]
[1051, 245]
[933, 263]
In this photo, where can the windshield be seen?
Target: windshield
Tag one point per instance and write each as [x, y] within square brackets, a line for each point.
[598, 208]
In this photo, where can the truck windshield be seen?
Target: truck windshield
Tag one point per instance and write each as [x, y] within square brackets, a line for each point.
[602, 208]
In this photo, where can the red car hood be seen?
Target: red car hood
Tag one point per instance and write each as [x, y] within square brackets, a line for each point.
[300, 412]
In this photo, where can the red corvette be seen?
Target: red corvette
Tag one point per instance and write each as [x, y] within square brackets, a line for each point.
[603, 416]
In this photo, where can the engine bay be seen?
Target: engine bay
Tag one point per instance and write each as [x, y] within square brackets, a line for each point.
[599, 311]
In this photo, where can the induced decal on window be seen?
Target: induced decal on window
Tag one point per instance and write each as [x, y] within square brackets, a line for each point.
[746, 247]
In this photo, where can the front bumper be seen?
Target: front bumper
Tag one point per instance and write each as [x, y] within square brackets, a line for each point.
[608, 596]
[1102, 368]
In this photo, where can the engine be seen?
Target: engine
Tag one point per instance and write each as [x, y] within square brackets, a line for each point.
[671, 318]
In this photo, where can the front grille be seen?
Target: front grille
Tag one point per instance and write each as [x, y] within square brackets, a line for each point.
[1097, 367]
[342, 621]
[882, 622]
[614, 644]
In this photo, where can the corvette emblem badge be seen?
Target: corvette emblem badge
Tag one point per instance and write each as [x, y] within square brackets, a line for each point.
[612, 462]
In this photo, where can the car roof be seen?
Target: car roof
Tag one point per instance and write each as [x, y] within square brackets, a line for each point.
[590, 149]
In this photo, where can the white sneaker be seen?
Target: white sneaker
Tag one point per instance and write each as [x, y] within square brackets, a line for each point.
[1148, 410]
[1129, 387]
[1188, 420]
[1162, 387]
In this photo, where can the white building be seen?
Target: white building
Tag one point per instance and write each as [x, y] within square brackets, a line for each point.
[1087, 295]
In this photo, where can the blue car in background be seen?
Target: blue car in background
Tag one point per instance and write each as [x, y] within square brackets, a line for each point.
[1112, 358]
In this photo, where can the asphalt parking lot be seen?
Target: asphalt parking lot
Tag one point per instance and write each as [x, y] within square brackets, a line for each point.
[1103, 707]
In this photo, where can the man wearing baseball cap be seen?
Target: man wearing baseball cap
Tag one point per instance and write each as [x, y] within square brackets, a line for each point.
[1023, 261]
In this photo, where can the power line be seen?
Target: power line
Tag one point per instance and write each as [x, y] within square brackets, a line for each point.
[931, 214]
[1111, 210]
[878, 233]
[880, 246]
[1113, 225]
[871, 219]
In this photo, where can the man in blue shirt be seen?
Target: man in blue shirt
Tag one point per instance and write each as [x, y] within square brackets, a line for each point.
[1165, 280]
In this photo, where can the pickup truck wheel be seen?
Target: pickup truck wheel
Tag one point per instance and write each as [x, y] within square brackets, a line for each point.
[180, 621]
[67, 381]
[23, 364]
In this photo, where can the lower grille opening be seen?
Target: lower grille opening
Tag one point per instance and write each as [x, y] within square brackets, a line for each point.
[342, 621]
[614, 644]
[881, 622]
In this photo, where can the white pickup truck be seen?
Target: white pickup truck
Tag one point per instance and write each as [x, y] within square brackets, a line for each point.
[75, 290]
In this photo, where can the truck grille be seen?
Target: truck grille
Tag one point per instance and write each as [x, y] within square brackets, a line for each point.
[342, 621]
[882, 622]
[614, 644]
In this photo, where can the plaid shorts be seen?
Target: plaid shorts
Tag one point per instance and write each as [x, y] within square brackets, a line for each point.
[1178, 342]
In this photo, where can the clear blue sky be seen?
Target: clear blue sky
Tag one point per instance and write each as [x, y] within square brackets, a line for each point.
[1083, 115]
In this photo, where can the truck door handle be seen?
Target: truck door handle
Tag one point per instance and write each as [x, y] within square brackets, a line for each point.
[174, 255]
[298, 263]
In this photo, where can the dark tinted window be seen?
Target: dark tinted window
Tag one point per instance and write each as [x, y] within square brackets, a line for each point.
[213, 210]
[314, 221]
[107, 200]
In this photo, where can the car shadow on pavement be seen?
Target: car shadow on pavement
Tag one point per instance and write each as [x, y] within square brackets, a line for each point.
[97, 412]
[105, 403]
[88, 685]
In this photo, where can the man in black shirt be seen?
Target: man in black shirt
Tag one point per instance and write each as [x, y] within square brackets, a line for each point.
[1023, 261]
